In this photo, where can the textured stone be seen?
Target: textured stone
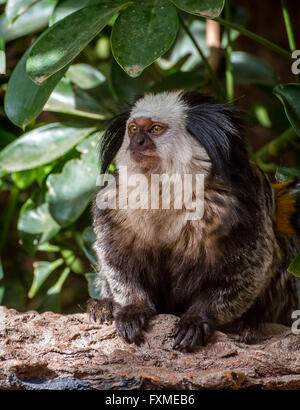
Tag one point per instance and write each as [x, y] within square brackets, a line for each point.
[51, 351]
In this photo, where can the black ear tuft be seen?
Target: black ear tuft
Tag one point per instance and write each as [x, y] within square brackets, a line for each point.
[218, 128]
[112, 140]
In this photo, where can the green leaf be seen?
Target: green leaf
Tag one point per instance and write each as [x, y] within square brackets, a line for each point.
[93, 291]
[185, 48]
[70, 192]
[72, 261]
[57, 287]
[61, 43]
[2, 57]
[35, 224]
[41, 271]
[142, 33]
[286, 174]
[289, 95]
[181, 80]
[23, 179]
[88, 241]
[15, 8]
[126, 88]
[249, 69]
[24, 100]
[294, 267]
[204, 8]
[85, 76]
[30, 22]
[41, 146]
[66, 7]
[68, 98]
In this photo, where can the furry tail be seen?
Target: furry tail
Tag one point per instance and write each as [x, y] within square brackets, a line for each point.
[287, 199]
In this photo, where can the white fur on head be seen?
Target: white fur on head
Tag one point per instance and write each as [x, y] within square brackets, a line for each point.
[178, 151]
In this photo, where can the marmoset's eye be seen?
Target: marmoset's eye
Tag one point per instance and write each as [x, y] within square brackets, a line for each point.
[132, 128]
[156, 128]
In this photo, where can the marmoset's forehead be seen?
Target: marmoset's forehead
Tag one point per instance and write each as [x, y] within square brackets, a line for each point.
[166, 107]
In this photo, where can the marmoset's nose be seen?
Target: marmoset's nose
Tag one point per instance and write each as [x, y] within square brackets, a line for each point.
[139, 142]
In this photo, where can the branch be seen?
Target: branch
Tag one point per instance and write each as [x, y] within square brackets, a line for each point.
[57, 352]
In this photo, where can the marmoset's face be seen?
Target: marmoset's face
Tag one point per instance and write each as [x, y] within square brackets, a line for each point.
[156, 137]
[143, 132]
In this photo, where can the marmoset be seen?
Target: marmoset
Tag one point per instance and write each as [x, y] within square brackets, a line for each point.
[225, 269]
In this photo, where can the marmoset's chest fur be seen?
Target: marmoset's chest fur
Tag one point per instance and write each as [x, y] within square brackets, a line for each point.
[142, 229]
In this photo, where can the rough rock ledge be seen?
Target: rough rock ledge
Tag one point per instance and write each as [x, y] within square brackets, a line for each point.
[51, 351]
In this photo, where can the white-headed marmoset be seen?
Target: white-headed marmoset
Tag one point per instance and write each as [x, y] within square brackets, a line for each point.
[225, 270]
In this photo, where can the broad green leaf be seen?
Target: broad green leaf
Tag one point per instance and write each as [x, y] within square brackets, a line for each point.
[35, 225]
[286, 174]
[143, 33]
[85, 76]
[289, 94]
[93, 290]
[15, 8]
[181, 80]
[70, 192]
[68, 98]
[66, 7]
[2, 56]
[24, 100]
[294, 267]
[41, 146]
[30, 22]
[41, 271]
[249, 69]
[61, 43]
[88, 241]
[204, 8]
[125, 88]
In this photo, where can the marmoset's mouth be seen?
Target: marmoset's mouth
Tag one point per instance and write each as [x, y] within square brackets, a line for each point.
[144, 158]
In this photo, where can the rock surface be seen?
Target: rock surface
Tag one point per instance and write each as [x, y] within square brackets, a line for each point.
[51, 351]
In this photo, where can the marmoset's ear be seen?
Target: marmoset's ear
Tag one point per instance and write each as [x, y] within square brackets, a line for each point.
[217, 128]
[112, 140]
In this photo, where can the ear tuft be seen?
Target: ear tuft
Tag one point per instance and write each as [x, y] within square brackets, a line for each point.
[112, 140]
[218, 128]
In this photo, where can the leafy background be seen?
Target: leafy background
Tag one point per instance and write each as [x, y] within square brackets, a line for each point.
[68, 66]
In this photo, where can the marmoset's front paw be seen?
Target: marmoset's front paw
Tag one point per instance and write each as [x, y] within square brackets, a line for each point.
[192, 330]
[100, 311]
[130, 322]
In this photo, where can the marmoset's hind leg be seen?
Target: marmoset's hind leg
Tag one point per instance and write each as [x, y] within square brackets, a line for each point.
[101, 311]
